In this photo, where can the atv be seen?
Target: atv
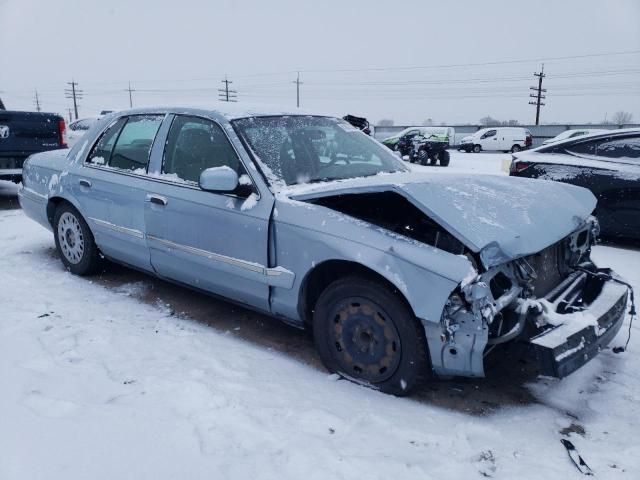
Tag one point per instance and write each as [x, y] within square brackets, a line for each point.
[429, 150]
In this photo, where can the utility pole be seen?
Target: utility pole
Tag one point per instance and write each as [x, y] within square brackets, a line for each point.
[225, 94]
[36, 101]
[298, 83]
[538, 95]
[130, 97]
[74, 93]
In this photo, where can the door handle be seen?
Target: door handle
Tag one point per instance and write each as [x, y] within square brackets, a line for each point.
[157, 199]
[84, 183]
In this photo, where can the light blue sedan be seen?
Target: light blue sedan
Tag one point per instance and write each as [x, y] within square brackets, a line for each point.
[400, 275]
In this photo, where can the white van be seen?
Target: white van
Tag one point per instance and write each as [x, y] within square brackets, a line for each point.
[505, 139]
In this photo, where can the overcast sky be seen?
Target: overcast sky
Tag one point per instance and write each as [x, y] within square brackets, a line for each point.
[404, 60]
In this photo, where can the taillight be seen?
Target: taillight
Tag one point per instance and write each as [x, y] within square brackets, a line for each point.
[62, 133]
[518, 166]
[528, 141]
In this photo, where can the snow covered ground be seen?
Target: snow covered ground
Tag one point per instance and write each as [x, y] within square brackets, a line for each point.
[102, 379]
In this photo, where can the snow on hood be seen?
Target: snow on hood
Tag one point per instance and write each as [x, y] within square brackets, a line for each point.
[501, 217]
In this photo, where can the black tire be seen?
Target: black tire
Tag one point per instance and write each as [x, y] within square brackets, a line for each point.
[366, 333]
[477, 149]
[423, 157]
[515, 148]
[445, 157]
[70, 230]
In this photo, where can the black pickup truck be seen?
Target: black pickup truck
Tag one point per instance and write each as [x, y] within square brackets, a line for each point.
[25, 133]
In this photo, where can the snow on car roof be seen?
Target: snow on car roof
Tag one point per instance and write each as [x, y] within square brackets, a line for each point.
[232, 110]
[588, 136]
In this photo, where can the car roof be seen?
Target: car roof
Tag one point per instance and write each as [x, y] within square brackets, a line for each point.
[228, 110]
[589, 136]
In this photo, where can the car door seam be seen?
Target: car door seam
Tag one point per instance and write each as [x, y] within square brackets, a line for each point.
[251, 266]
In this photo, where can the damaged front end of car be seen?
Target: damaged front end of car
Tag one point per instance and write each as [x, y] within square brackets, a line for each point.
[556, 299]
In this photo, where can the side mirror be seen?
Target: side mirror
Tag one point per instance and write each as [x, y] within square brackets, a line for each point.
[218, 179]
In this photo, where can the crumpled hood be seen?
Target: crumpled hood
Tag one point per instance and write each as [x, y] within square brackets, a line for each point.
[500, 217]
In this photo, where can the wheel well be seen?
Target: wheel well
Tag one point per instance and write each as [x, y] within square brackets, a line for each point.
[52, 206]
[318, 279]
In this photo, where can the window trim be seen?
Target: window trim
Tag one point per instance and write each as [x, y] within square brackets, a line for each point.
[106, 167]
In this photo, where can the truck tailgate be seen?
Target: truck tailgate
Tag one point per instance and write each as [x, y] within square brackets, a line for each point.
[23, 133]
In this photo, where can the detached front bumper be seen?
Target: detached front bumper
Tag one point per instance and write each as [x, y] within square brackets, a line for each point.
[585, 330]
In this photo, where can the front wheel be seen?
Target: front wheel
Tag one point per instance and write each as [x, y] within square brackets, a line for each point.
[74, 241]
[366, 333]
[477, 148]
[423, 157]
[445, 157]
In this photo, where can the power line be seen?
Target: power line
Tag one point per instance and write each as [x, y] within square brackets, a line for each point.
[225, 94]
[477, 64]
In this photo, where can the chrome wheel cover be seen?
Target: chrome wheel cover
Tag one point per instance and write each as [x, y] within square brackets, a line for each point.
[70, 238]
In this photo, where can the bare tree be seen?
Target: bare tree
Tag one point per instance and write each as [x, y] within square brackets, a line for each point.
[620, 118]
[489, 121]
[385, 122]
[428, 122]
[511, 123]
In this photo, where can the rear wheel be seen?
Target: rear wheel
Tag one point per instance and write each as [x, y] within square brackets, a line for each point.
[74, 241]
[477, 148]
[515, 148]
[366, 333]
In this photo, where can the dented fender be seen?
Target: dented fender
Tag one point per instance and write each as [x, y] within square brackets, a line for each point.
[424, 275]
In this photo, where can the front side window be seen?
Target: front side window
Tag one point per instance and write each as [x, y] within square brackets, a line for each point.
[300, 149]
[490, 133]
[195, 144]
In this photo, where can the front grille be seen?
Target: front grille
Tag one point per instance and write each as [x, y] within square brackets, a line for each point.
[550, 267]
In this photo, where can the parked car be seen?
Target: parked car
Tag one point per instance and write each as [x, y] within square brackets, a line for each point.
[572, 133]
[399, 274]
[506, 139]
[402, 140]
[607, 163]
[77, 129]
[25, 133]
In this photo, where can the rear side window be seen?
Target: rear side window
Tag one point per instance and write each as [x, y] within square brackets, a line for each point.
[126, 145]
[102, 150]
[133, 146]
[584, 148]
[620, 148]
[195, 144]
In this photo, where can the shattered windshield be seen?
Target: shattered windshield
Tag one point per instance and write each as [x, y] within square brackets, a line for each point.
[305, 149]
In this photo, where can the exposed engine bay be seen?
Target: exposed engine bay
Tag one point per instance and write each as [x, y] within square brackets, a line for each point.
[521, 299]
